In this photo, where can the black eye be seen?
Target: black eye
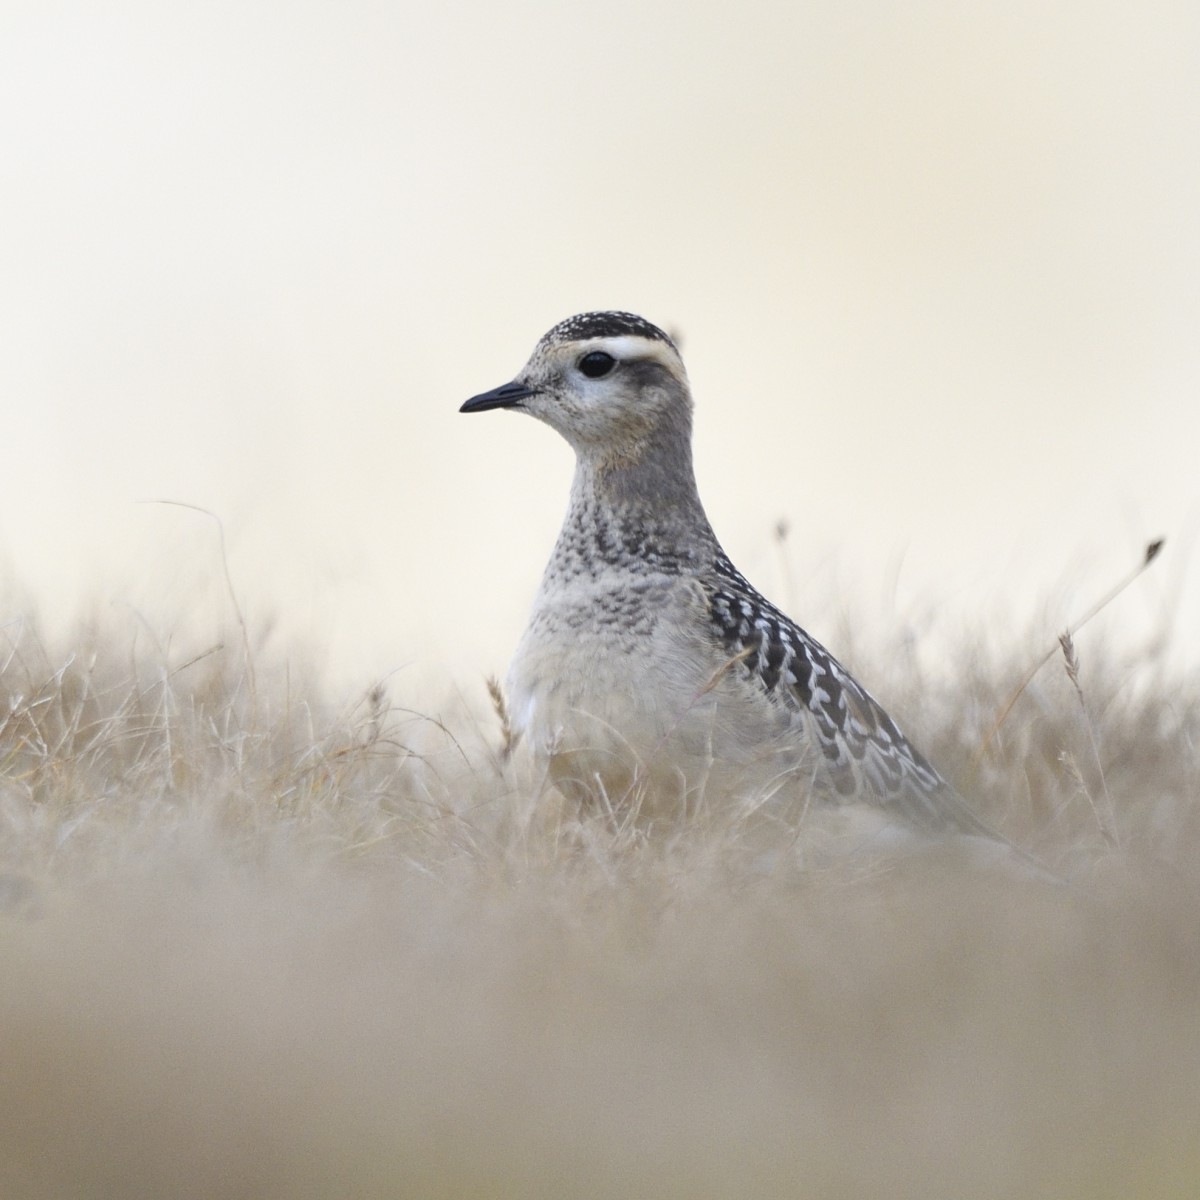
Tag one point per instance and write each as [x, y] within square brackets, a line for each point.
[597, 364]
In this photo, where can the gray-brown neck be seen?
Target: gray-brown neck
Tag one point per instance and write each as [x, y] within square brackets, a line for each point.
[641, 514]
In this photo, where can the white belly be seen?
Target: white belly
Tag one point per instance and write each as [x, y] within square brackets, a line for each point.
[610, 700]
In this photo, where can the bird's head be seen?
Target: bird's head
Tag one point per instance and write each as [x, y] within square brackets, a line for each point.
[611, 383]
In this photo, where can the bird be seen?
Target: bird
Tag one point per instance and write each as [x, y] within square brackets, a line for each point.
[650, 666]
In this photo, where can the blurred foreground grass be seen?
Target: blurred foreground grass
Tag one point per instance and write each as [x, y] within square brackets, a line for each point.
[256, 946]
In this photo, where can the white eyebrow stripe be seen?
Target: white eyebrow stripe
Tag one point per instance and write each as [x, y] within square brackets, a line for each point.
[629, 347]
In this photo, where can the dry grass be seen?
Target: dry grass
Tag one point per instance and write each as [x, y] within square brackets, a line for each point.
[257, 947]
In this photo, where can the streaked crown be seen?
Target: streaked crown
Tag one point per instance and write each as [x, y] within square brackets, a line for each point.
[584, 326]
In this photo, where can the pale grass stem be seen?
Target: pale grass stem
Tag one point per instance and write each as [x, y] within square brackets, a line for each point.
[1107, 826]
[500, 707]
[1150, 554]
[248, 657]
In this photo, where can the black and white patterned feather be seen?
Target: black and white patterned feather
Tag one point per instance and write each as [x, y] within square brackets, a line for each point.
[862, 748]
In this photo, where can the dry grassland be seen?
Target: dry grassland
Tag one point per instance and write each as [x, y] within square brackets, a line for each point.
[255, 947]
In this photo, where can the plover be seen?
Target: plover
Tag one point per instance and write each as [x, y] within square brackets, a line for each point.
[650, 666]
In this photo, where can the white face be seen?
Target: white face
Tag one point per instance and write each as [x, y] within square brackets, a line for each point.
[606, 395]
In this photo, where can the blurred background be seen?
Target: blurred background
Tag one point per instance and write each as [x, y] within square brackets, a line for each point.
[935, 269]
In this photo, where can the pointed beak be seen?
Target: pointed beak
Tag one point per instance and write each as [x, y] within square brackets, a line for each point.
[505, 396]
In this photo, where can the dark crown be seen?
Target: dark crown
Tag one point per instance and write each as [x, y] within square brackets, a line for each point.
[604, 324]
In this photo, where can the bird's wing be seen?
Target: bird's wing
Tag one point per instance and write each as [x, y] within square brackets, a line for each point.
[864, 752]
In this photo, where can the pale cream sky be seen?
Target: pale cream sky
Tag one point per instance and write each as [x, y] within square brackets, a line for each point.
[936, 268]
